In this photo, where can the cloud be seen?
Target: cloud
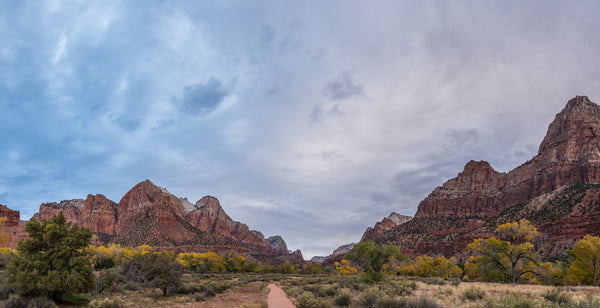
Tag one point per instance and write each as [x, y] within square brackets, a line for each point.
[267, 34]
[201, 99]
[342, 88]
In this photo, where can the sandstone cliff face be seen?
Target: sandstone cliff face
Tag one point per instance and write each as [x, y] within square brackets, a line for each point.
[277, 243]
[13, 226]
[209, 215]
[100, 215]
[479, 198]
[393, 220]
[149, 214]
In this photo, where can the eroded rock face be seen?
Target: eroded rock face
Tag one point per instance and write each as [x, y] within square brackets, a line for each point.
[71, 210]
[277, 243]
[13, 226]
[393, 220]
[100, 215]
[209, 215]
[149, 214]
[463, 207]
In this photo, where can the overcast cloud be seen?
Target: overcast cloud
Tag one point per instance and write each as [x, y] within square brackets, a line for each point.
[308, 119]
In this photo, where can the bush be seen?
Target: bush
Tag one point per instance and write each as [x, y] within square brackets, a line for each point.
[41, 302]
[106, 303]
[108, 280]
[390, 302]
[369, 297]
[557, 296]
[307, 300]
[15, 301]
[473, 294]
[343, 300]
[5, 291]
[421, 302]
[132, 286]
[370, 277]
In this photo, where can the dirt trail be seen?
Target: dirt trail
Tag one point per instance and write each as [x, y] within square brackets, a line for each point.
[278, 299]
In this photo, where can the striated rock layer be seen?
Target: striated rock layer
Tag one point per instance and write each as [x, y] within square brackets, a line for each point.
[393, 220]
[149, 214]
[471, 204]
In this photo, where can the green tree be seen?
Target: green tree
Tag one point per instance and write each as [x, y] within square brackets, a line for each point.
[371, 257]
[585, 267]
[53, 260]
[508, 259]
[158, 270]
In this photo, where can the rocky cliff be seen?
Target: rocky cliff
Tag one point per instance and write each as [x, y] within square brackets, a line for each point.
[393, 220]
[13, 226]
[473, 203]
[149, 214]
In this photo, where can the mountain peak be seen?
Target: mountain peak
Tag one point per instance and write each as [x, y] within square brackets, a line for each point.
[575, 124]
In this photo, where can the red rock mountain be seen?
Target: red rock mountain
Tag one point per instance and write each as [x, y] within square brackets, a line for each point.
[387, 223]
[479, 198]
[149, 214]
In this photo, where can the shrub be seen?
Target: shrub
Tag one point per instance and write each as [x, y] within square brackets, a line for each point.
[132, 286]
[106, 303]
[343, 300]
[108, 280]
[41, 302]
[369, 297]
[307, 300]
[473, 294]
[370, 277]
[5, 291]
[421, 302]
[390, 302]
[557, 296]
[15, 301]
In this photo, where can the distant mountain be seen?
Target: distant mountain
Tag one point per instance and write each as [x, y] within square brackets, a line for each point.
[149, 214]
[557, 190]
[393, 220]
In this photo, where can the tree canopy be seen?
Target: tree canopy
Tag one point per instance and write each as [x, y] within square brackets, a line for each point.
[52, 261]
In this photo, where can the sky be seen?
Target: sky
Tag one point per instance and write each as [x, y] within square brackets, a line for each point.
[308, 119]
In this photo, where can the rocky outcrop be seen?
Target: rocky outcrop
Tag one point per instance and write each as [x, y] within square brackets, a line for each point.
[13, 226]
[209, 215]
[471, 204]
[149, 214]
[335, 256]
[100, 215]
[393, 220]
[277, 243]
[71, 210]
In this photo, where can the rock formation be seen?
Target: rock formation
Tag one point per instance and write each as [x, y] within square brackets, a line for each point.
[393, 220]
[470, 205]
[13, 226]
[149, 214]
[277, 243]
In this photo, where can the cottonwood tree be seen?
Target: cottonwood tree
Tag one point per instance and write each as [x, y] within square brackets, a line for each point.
[53, 260]
[585, 267]
[508, 259]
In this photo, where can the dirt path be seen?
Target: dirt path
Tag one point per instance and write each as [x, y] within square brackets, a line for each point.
[278, 299]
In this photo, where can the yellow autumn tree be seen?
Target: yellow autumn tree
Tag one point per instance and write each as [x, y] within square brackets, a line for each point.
[510, 259]
[345, 268]
[585, 268]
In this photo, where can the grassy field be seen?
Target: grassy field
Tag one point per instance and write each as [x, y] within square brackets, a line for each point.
[250, 290]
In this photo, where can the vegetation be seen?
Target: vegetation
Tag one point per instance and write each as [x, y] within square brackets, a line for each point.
[52, 262]
[585, 268]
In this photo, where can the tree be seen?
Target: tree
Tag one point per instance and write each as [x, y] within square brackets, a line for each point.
[53, 261]
[371, 257]
[585, 267]
[505, 260]
[158, 270]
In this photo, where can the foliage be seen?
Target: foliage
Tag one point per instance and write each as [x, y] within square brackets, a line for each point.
[114, 255]
[343, 300]
[505, 260]
[106, 303]
[585, 268]
[307, 300]
[473, 294]
[371, 257]
[212, 262]
[4, 237]
[41, 302]
[426, 266]
[157, 270]
[108, 280]
[344, 268]
[557, 296]
[52, 262]
[6, 256]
